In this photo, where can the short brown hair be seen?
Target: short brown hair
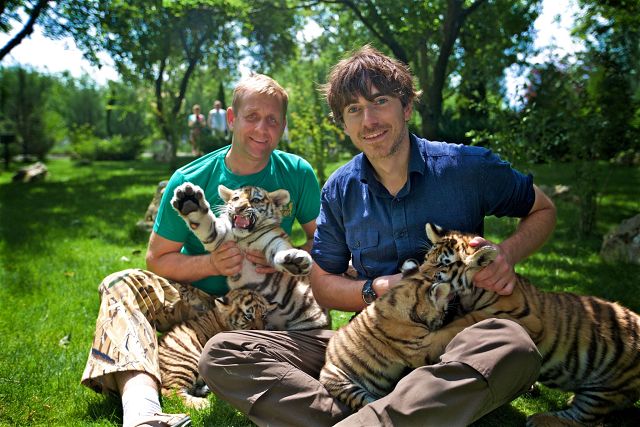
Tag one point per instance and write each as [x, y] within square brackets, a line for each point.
[262, 84]
[366, 67]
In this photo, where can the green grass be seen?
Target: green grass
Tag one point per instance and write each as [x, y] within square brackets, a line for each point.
[60, 237]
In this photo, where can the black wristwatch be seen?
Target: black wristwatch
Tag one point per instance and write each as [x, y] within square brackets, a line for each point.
[368, 294]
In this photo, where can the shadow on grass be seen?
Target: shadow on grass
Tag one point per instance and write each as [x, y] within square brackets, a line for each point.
[104, 409]
[504, 416]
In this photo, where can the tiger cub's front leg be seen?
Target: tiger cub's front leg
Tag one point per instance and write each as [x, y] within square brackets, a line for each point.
[293, 261]
[189, 201]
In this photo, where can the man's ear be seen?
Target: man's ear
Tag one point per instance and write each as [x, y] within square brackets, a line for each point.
[230, 118]
[408, 110]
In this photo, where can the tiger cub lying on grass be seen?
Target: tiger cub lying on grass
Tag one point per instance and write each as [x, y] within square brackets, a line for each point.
[251, 217]
[589, 346]
[179, 348]
[366, 358]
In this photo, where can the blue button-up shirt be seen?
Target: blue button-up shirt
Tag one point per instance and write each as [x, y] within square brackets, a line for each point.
[454, 186]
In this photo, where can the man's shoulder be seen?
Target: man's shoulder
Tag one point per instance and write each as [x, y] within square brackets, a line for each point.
[441, 148]
[203, 166]
[290, 161]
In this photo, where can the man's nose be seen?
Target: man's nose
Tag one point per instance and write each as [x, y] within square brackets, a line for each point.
[369, 116]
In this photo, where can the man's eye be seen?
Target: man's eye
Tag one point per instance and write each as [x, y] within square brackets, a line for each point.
[352, 109]
[381, 101]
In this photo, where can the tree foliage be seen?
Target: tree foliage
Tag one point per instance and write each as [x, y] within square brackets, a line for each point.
[446, 38]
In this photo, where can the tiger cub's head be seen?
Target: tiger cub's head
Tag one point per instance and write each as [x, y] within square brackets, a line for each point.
[250, 207]
[452, 259]
[244, 309]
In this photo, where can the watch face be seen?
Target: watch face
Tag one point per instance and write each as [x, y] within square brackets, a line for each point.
[368, 294]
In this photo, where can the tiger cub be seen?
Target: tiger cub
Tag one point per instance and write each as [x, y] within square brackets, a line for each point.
[179, 348]
[589, 346]
[251, 217]
[366, 358]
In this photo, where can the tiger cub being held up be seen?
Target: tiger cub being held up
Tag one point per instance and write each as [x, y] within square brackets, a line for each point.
[179, 348]
[366, 358]
[589, 346]
[251, 217]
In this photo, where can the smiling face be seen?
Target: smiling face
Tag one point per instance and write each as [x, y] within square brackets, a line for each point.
[377, 124]
[257, 125]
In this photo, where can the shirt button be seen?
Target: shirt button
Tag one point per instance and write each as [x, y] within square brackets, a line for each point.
[356, 244]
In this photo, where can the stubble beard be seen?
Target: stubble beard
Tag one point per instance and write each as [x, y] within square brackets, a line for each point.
[395, 146]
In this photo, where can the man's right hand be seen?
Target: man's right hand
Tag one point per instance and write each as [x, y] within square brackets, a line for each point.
[227, 259]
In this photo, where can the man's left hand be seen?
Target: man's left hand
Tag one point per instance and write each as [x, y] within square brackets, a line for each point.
[261, 263]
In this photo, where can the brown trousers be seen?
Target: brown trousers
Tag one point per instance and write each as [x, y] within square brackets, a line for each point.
[134, 305]
[272, 377]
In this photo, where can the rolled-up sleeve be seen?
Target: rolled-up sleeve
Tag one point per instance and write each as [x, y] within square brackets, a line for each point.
[506, 191]
[330, 250]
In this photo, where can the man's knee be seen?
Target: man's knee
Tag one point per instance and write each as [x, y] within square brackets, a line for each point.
[119, 278]
[216, 352]
[500, 349]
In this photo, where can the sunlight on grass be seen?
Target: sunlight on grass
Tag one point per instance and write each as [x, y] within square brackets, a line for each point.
[60, 237]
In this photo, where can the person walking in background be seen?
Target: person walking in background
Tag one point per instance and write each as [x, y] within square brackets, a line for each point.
[217, 120]
[196, 123]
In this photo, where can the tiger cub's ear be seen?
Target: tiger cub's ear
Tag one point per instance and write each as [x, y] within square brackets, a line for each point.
[224, 192]
[279, 197]
[223, 300]
[408, 267]
[434, 232]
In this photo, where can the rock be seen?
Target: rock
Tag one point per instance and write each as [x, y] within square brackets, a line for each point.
[146, 224]
[32, 173]
[161, 150]
[558, 191]
[623, 243]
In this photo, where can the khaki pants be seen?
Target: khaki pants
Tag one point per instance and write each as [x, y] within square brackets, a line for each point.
[272, 377]
[135, 305]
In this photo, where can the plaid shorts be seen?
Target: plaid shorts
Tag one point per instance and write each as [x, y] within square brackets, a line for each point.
[136, 305]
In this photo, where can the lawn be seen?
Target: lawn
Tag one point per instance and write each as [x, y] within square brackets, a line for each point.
[60, 237]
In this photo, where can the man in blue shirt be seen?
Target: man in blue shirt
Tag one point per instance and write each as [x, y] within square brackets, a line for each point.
[373, 213]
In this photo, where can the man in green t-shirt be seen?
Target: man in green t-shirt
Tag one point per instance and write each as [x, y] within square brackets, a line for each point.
[183, 276]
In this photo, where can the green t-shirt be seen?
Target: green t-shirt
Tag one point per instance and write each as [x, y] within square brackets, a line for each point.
[284, 171]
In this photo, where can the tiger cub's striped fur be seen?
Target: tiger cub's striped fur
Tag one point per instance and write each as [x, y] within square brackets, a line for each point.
[366, 358]
[251, 217]
[179, 348]
[589, 346]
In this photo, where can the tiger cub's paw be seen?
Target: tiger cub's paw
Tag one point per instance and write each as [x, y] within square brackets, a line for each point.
[293, 261]
[188, 200]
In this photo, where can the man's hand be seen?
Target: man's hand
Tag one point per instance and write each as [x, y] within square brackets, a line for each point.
[499, 276]
[383, 284]
[227, 259]
[261, 263]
